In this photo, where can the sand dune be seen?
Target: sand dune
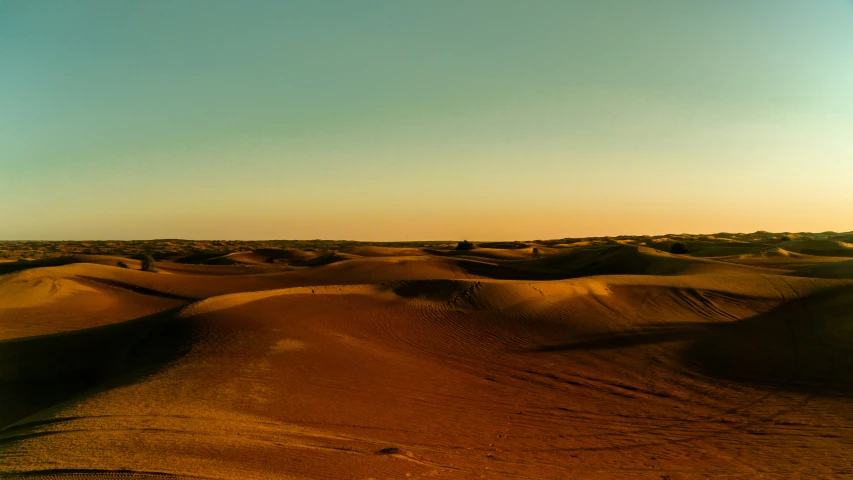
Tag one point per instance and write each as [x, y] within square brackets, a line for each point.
[833, 248]
[601, 260]
[376, 251]
[270, 256]
[594, 361]
[51, 300]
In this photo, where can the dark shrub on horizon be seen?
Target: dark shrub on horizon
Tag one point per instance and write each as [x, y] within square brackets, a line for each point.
[678, 248]
[121, 264]
[464, 245]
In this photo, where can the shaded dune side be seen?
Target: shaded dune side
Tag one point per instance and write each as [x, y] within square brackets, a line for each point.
[37, 372]
[838, 269]
[797, 264]
[265, 257]
[800, 344]
[758, 329]
[296, 257]
[602, 260]
[832, 248]
[521, 253]
[377, 251]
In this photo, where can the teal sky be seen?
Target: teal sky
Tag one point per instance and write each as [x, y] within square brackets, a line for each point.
[432, 119]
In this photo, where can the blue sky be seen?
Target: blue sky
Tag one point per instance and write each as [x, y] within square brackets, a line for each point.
[394, 120]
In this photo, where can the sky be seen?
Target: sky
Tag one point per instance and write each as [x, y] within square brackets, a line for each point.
[389, 120]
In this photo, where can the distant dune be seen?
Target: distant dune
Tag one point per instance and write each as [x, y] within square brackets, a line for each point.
[570, 358]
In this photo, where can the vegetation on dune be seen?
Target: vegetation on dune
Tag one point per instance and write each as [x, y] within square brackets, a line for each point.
[679, 248]
[464, 245]
[148, 263]
[121, 264]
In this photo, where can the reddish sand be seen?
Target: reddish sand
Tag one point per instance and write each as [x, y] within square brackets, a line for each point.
[593, 360]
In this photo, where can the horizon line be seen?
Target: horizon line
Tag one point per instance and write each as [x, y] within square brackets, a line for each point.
[756, 232]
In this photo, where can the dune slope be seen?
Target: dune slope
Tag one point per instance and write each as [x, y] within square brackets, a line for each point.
[612, 361]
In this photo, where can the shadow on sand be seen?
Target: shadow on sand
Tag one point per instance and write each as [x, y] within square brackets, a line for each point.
[39, 372]
[804, 344]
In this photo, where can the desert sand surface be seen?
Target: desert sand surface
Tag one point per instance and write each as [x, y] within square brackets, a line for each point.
[547, 359]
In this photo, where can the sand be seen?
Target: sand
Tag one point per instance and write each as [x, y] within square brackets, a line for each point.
[598, 358]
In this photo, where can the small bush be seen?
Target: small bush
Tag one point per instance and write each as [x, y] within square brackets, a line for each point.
[148, 263]
[121, 264]
[536, 253]
[464, 245]
[679, 248]
[785, 239]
